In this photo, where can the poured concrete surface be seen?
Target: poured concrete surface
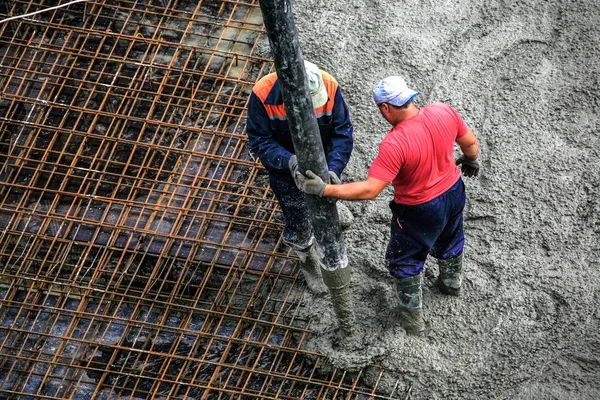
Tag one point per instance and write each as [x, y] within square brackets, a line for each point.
[524, 75]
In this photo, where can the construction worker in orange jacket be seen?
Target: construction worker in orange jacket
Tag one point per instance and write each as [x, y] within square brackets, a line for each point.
[270, 139]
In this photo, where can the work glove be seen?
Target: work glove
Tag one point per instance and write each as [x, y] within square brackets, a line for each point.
[468, 167]
[333, 178]
[310, 183]
[293, 166]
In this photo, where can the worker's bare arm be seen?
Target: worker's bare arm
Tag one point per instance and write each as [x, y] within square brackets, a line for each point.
[363, 190]
[469, 145]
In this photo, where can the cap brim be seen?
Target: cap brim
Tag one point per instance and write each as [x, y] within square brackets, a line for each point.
[405, 98]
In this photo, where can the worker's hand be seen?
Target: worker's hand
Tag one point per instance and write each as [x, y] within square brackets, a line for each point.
[293, 166]
[469, 167]
[334, 179]
[310, 183]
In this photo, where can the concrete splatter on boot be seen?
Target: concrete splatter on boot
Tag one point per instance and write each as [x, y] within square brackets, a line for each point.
[345, 215]
[338, 283]
[310, 265]
[410, 311]
[449, 280]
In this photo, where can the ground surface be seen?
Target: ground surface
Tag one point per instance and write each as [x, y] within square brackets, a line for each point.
[524, 75]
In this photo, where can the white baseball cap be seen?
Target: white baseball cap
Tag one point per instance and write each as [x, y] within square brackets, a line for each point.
[318, 93]
[393, 90]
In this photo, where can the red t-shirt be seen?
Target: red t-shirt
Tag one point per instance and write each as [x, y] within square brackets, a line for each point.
[417, 155]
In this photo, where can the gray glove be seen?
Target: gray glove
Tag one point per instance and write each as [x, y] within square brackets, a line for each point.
[293, 166]
[468, 167]
[333, 178]
[310, 183]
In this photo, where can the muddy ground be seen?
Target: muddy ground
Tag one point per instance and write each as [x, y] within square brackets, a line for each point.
[524, 75]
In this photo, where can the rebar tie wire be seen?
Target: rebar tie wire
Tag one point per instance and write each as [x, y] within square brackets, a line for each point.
[42, 11]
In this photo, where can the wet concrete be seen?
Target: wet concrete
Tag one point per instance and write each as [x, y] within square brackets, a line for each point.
[524, 76]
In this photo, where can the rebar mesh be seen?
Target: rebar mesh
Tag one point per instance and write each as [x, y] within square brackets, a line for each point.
[140, 246]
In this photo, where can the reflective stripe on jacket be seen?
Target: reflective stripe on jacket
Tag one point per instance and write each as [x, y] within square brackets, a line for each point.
[269, 133]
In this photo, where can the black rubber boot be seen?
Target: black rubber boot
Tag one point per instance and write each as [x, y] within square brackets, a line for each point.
[410, 310]
[449, 280]
[310, 265]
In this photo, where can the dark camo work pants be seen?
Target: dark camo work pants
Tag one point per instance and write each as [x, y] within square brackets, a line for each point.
[298, 229]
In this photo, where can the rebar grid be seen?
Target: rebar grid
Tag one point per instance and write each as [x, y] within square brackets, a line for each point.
[140, 247]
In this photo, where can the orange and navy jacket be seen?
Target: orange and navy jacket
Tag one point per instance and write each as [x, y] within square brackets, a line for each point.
[269, 133]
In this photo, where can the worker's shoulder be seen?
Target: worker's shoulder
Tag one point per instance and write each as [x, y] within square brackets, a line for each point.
[329, 81]
[438, 106]
[264, 85]
[327, 77]
[394, 143]
[440, 109]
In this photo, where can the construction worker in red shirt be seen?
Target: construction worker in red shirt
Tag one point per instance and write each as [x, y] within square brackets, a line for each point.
[417, 157]
[270, 139]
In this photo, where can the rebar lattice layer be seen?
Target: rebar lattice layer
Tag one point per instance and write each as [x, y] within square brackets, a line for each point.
[140, 247]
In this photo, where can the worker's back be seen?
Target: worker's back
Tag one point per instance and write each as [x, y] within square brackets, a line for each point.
[421, 152]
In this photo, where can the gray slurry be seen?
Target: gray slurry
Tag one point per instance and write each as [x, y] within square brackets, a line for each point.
[524, 75]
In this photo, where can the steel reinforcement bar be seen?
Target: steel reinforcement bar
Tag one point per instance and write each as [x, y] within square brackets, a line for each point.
[140, 246]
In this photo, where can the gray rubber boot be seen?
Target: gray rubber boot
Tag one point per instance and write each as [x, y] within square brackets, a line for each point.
[310, 265]
[410, 310]
[338, 283]
[449, 280]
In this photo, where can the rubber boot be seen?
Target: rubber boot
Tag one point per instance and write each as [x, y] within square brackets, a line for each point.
[310, 265]
[338, 283]
[410, 310]
[449, 280]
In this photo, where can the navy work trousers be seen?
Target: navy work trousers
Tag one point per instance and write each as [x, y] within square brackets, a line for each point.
[298, 229]
[434, 227]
